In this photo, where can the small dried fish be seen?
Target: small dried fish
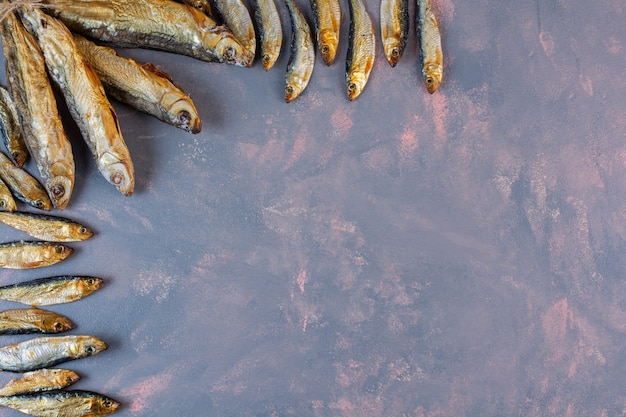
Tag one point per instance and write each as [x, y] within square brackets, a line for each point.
[431, 53]
[327, 17]
[24, 254]
[41, 124]
[270, 31]
[394, 28]
[40, 380]
[142, 86]
[302, 58]
[361, 49]
[47, 351]
[236, 17]
[7, 203]
[10, 128]
[24, 186]
[52, 290]
[62, 403]
[33, 320]
[85, 97]
[156, 24]
[45, 227]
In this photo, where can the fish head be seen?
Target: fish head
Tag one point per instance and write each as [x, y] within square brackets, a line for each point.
[433, 73]
[7, 203]
[57, 324]
[89, 285]
[231, 51]
[180, 111]
[67, 377]
[19, 157]
[268, 60]
[102, 405]
[355, 83]
[60, 184]
[393, 47]
[292, 90]
[328, 46]
[118, 172]
[84, 346]
[57, 251]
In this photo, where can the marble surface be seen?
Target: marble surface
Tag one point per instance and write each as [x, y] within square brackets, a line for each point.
[405, 254]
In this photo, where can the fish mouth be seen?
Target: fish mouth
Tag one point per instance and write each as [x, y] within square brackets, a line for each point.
[180, 112]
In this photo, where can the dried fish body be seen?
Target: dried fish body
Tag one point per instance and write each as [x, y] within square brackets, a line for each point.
[85, 97]
[40, 380]
[302, 58]
[47, 351]
[431, 53]
[361, 49]
[24, 186]
[51, 290]
[270, 31]
[156, 24]
[33, 320]
[141, 86]
[32, 254]
[45, 227]
[10, 128]
[41, 124]
[327, 17]
[7, 203]
[62, 403]
[236, 17]
[394, 28]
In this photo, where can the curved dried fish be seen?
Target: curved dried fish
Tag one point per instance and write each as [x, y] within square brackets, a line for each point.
[327, 17]
[141, 86]
[24, 186]
[40, 380]
[32, 254]
[270, 31]
[62, 403]
[431, 53]
[41, 124]
[33, 320]
[236, 17]
[51, 290]
[394, 28]
[361, 49]
[10, 128]
[156, 24]
[45, 227]
[47, 351]
[302, 58]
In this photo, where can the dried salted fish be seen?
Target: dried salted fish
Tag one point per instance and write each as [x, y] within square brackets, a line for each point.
[45, 227]
[62, 403]
[7, 203]
[156, 24]
[46, 351]
[33, 320]
[43, 131]
[361, 49]
[141, 86]
[10, 128]
[51, 290]
[40, 380]
[32, 254]
[24, 186]
[85, 97]
[302, 58]
[270, 31]
[431, 53]
[327, 17]
[36, 104]
[394, 28]
[237, 18]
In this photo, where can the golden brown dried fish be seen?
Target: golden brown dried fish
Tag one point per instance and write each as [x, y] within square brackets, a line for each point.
[43, 131]
[431, 53]
[45, 227]
[361, 49]
[62, 403]
[47, 351]
[32, 254]
[10, 128]
[40, 380]
[302, 58]
[51, 290]
[33, 320]
[85, 97]
[141, 86]
[327, 17]
[156, 24]
[24, 186]
[394, 28]
[270, 31]
[7, 203]
[236, 17]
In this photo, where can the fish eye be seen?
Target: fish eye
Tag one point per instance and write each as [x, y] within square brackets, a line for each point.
[229, 53]
[325, 49]
[38, 204]
[395, 52]
[15, 156]
[58, 191]
[58, 326]
[59, 249]
[90, 350]
[429, 80]
[351, 87]
[2, 203]
[117, 178]
[289, 90]
[184, 117]
[82, 230]
[266, 59]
